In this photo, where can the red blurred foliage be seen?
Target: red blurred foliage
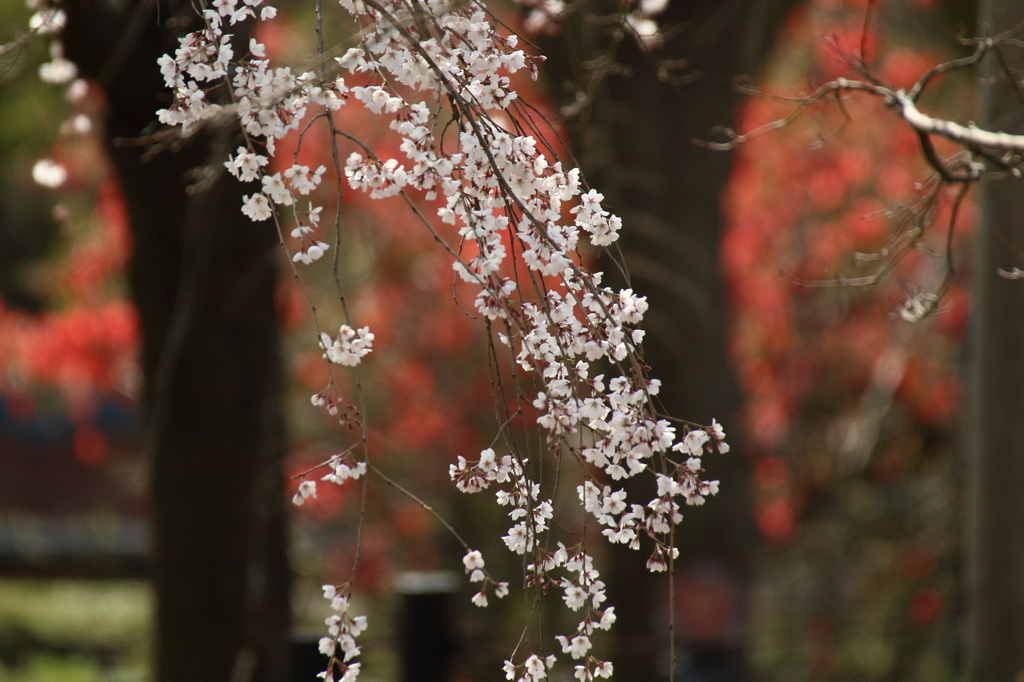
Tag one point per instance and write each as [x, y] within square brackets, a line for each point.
[411, 520]
[291, 306]
[918, 563]
[771, 473]
[802, 207]
[707, 604]
[89, 446]
[86, 344]
[776, 519]
[821, 638]
[925, 606]
[83, 348]
[902, 67]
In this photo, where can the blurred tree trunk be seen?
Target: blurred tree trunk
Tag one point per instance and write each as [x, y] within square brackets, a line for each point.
[203, 279]
[635, 145]
[995, 558]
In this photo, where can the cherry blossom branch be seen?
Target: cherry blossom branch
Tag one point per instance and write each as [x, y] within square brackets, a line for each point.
[495, 181]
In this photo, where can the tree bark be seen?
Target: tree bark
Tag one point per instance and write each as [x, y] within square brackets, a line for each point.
[995, 553]
[203, 279]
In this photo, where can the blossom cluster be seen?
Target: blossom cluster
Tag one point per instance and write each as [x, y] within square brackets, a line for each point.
[348, 347]
[477, 476]
[342, 468]
[474, 563]
[268, 102]
[583, 590]
[342, 628]
[624, 523]
[526, 504]
[346, 413]
[49, 20]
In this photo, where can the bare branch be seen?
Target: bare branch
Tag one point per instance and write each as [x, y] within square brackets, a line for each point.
[16, 44]
[970, 135]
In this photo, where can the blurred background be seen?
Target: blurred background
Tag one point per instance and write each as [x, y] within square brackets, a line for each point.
[836, 549]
